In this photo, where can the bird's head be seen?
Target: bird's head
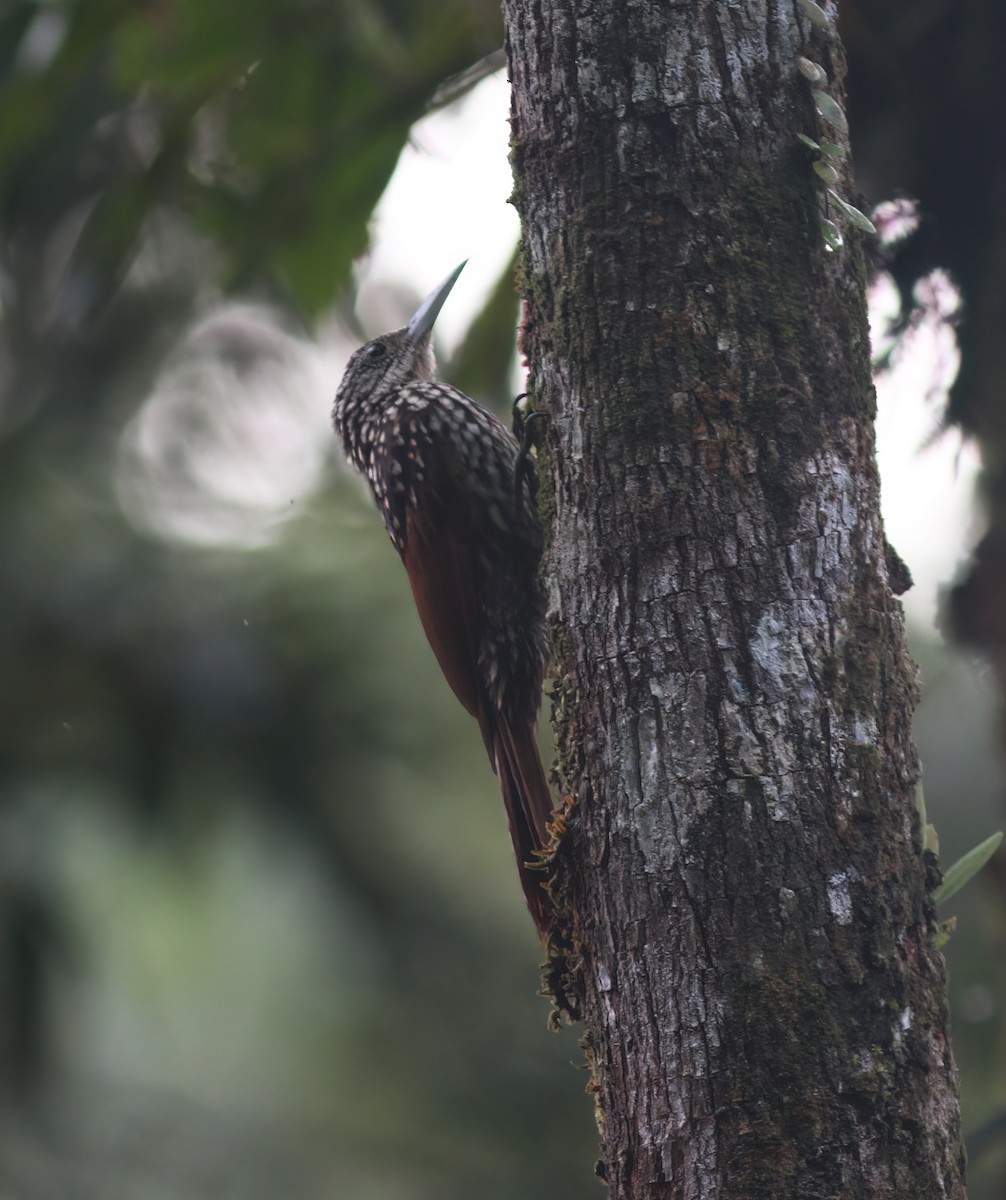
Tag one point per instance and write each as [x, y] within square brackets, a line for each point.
[398, 357]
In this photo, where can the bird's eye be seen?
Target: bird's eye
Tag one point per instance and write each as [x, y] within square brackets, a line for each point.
[377, 350]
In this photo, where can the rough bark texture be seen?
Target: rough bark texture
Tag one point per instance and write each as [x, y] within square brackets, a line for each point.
[749, 936]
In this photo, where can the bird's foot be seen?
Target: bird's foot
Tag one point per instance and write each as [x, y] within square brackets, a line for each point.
[555, 831]
[523, 467]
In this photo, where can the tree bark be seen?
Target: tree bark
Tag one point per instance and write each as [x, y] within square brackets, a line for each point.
[745, 923]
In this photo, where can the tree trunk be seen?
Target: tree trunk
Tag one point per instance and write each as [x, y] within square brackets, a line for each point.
[746, 926]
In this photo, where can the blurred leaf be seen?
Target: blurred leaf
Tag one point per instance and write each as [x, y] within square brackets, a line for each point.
[854, 216]
[816, 13]
[944, 932]
[966, 867]
[920, 803]
[811, 70]
[829, 108]
[832, 234]
[825, 171]
[279, 122]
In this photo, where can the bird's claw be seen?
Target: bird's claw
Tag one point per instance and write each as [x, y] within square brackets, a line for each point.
[555, 831]
[523, 467]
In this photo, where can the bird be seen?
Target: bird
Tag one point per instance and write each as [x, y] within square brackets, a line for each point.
[457, 494]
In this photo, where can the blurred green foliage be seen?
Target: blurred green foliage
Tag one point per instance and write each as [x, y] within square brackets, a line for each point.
[273, 126]
[259, 929]
[259, 932]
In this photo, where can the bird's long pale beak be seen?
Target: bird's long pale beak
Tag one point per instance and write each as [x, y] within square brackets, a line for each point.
[427, 313]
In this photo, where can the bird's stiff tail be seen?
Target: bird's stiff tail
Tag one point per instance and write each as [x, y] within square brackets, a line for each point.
[528, 804]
